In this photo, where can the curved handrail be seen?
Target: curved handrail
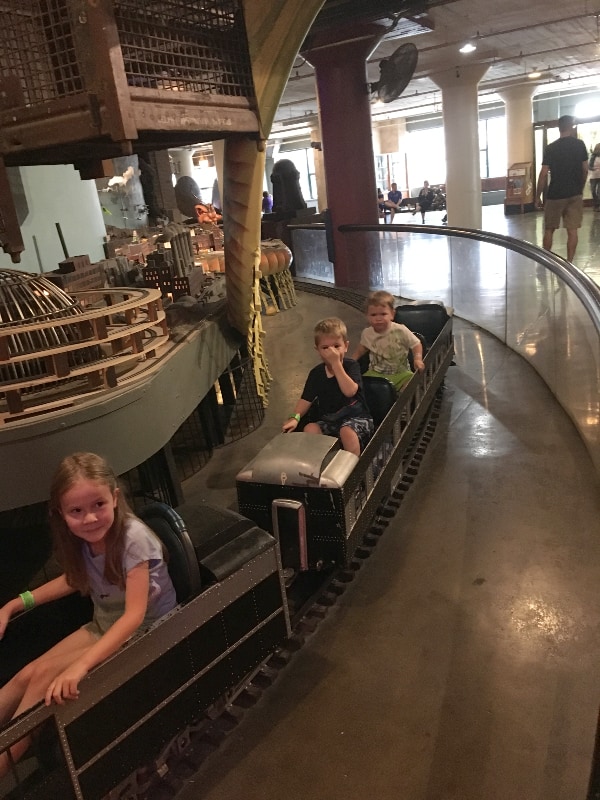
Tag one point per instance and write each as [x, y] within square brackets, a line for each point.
[582, 285]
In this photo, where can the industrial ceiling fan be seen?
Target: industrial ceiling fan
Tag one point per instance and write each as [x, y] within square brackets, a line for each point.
[395, 73]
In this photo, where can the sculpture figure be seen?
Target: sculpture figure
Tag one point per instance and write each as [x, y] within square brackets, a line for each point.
[287, 194]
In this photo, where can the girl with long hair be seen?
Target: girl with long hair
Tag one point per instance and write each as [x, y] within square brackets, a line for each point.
[106, 552]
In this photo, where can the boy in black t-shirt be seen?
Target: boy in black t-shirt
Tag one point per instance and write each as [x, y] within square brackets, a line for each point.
[337, 386]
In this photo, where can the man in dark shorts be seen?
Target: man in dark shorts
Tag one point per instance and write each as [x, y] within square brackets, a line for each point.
[394, 200]
[566, 160]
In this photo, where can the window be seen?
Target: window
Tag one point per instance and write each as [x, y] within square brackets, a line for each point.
[492, 147]
[426, 155]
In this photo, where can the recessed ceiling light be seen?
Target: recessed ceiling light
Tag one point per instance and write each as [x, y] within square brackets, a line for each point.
[535, 74]
[468, 47]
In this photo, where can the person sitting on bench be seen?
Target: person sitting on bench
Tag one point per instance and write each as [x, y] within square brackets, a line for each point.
[394, 200]
[424, 200]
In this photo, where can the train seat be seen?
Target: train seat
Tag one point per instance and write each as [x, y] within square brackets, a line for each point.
[380, 395]
[223, 540]
[427, 319]
[183, 565]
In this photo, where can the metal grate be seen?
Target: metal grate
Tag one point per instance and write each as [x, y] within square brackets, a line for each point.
[37, 48]
[194, 440]
[223, 417]
[151, 481]
[173, 45]
[242, 410]
[185, 45]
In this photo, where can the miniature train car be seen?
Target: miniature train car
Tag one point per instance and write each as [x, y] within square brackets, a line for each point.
[319, 500]
[233, 611]
[232, 615]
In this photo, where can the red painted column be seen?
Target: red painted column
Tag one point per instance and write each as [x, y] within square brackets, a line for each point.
[345, 122]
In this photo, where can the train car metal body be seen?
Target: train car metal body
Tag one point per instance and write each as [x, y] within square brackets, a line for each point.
[319, 500]
[134, 703]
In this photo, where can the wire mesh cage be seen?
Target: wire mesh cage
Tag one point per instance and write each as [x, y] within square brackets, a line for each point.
[185, 46]
[231, 410]
[37, 48]
[118, 69]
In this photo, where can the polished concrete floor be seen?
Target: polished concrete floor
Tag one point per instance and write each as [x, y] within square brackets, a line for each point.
[462, 663]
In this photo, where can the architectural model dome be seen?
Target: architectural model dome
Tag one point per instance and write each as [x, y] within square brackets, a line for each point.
[30, 305]
[55, 347]
[32, 297]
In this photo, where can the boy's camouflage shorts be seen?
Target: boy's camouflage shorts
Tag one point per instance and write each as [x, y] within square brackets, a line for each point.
[362, 426]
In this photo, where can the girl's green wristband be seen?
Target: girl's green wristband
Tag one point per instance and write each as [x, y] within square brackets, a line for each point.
[28, 600]
[296, 417]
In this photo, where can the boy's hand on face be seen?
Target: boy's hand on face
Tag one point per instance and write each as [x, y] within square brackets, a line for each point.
[332, 350]
[333, 356]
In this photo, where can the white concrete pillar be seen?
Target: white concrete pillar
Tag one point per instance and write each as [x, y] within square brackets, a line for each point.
[519, 122]
[315, 139]
[461, 132]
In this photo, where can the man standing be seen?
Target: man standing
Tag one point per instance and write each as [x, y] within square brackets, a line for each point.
[567, 162]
